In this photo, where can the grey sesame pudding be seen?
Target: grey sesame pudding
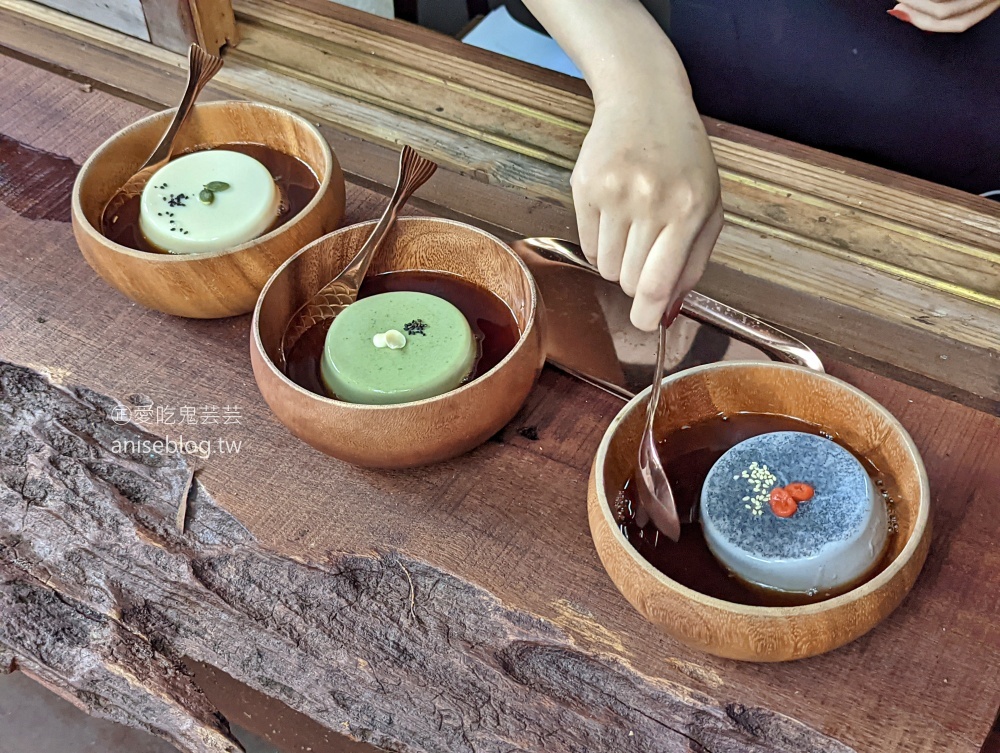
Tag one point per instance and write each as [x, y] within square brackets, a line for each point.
[825, 543]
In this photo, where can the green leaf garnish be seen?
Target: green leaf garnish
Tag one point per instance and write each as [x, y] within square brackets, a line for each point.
[206, 196]
[217, 185]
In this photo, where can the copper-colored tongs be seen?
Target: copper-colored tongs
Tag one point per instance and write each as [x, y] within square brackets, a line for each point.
[701, 308]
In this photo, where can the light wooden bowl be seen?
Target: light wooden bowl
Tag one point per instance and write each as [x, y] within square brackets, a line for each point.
[218, 283]
[407, 434]
[763, 634]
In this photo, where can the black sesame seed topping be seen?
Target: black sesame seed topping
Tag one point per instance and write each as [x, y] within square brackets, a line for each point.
[416, 327]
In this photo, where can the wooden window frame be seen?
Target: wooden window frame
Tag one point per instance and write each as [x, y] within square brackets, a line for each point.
[171, 24]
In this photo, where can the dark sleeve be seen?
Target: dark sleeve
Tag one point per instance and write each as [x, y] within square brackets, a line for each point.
[843, 76]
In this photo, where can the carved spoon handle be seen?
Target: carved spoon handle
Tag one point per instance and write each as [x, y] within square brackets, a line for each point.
[332, 298]
[202, 66]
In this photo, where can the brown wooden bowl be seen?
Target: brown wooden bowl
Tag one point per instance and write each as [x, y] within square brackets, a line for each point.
[407, 434]
[218, 283]
[736, 631]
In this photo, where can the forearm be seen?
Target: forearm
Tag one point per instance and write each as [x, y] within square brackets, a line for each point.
[616, 44]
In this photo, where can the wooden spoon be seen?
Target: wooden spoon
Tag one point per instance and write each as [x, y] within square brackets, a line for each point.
[202, 66]
[342, 291]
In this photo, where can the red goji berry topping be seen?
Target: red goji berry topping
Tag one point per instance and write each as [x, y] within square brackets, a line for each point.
[800, 492]
[782, 503]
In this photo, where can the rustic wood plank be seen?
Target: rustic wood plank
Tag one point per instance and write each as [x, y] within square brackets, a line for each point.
[478, 518]
[101, 596]
[215, 24]
[863, 304]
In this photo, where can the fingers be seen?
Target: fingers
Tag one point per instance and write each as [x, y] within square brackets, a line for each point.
[701, 251]
[587, 222]
[674, 265]
[658, 279]
[942, 9]
[641, 237]
[611, 236]
[946, 17]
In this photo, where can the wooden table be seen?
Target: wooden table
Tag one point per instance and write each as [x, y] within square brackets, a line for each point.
[459, 607]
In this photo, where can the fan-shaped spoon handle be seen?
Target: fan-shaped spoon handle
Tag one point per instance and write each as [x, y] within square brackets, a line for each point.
[414, 171]
[202, 66]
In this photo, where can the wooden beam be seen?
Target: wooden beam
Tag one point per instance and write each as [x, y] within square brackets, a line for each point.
[175, 24]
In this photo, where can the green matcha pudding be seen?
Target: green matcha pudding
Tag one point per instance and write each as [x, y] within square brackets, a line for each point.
[396, 348]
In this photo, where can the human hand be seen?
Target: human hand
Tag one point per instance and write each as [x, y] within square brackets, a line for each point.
[648, 204]
[944, 15]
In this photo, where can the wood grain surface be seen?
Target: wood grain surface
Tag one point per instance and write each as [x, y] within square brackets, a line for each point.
[175, 24]
[509, 518]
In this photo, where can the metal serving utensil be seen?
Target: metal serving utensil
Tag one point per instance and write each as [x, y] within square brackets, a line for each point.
[342, 291]
[655, 494]
[733, 322]
[202, 67]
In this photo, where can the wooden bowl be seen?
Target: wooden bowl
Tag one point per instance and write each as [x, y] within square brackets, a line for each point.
[764, 634]
[218, 283]
[407, 434]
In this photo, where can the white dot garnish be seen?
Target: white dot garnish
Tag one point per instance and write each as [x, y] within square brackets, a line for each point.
[395, 339]
[392, 339]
